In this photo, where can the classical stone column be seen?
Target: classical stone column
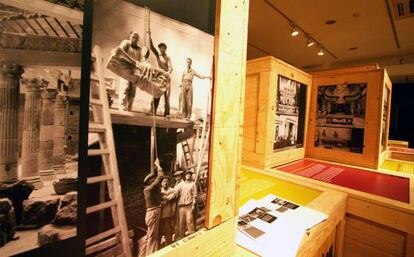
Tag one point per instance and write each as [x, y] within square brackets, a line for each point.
[59, 134]
[31, 131]
[46, 134]
[9, 111]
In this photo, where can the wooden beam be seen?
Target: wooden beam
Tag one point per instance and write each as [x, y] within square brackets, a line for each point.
[40, 58]
[47, 8]
[142, 119]
[230, 44]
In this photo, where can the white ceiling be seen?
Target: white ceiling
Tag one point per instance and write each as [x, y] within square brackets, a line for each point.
[362, 24]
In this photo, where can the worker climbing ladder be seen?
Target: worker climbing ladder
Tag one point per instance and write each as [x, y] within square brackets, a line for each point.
[115, 241]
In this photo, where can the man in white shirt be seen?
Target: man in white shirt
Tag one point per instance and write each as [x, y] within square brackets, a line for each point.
[187, 196]
[186, 97]
[138, 53]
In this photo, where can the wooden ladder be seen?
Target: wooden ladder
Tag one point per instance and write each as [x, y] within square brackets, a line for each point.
[188, 157]
[115, 239]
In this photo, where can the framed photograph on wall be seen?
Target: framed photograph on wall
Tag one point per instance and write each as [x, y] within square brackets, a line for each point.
[39, 125]
[340, 117]
[290, 114]
[161, 120]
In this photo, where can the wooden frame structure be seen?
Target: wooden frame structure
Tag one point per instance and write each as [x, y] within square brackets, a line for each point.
[323, 238]
[371, 220]
[259, 119]
[377, 81]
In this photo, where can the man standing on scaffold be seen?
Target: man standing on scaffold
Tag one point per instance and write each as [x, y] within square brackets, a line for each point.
[187, 89]
[139, 54]
[164, 62]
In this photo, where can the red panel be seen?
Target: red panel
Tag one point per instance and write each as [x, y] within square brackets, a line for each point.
[386, 185]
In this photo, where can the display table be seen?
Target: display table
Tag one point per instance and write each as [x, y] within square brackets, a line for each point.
[398, 143]
[323, 238]
[401, 153]
[398, 166]
[379, 219]
[379, 184]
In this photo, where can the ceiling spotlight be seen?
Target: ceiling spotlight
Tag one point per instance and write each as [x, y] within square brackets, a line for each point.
[294, 31]
[321, 52]
[310, 42]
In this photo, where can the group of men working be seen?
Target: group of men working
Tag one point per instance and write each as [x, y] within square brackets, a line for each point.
[169, 210]
[141, 54]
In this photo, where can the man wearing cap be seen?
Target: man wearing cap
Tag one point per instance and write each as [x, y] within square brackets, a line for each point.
[152, 196]
[178, 178]
[139, 54]
[186, 95]
[164, 62]
[187, 195]
[168, 207]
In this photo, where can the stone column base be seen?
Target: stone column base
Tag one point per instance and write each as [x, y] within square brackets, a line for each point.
[59, 169]
[35, 181]
[47, 175]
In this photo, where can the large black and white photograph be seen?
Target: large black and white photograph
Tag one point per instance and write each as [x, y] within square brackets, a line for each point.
[40, 53]
[290, 114]
[340, 117]
[149, 129]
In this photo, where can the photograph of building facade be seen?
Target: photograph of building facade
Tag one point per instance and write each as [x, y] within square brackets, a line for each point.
[341, 117]
[290, 116]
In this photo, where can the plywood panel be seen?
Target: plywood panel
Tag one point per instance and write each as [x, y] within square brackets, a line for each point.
[263, 117]
[194, 245]
[253, 159]
[228, 101]
[250, 110]
[366, 238]
[387, 86]
[260, 106]
[409, 157]
[401, 220]
[369, 157]
[285, 156]
[345, 70]
[398, 143]
[258, 65]
[227, 96]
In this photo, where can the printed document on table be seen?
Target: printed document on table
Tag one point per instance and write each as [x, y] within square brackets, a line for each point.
[274, 224]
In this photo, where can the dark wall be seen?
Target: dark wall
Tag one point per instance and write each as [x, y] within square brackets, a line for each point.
[132, 145]
[402, 113]
[197, 13]
[133, 155]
